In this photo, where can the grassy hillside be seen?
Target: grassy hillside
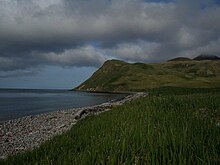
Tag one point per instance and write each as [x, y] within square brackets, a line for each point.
[117, 75]
[179, 126]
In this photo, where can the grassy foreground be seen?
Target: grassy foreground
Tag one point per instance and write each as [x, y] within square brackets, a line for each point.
[171, 128]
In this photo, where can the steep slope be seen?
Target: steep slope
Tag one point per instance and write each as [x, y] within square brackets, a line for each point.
[117, 75]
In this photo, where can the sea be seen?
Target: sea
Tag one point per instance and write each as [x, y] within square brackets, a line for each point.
[16, 103]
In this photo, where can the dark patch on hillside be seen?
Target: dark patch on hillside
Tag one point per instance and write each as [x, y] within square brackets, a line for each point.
[206, 57]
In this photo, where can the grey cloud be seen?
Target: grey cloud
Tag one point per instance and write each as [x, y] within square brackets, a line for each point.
[211, 48]
[83, 56]
[137, 51]
[64, 32]
[117, 20]
[80, 56]
[19, 73]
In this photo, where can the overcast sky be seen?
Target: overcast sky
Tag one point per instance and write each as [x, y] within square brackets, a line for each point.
[60, 43]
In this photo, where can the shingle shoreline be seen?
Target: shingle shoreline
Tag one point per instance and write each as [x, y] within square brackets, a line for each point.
[28, 132]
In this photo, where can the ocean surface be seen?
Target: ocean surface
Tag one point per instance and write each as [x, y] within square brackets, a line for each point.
[16, 103]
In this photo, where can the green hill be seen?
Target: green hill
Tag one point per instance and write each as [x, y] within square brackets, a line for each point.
[181, 59]
[119, 76]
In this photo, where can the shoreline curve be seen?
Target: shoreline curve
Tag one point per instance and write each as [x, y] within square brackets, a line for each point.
[28, 132]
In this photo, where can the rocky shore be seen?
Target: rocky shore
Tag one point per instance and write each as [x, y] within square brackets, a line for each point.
[28, 132]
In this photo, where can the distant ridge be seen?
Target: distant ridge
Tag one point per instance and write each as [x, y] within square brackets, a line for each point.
[119, 76]
[180, 59]
[198, 58]
[206, 57]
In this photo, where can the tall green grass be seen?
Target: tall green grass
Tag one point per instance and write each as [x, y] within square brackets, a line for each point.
[166, 129]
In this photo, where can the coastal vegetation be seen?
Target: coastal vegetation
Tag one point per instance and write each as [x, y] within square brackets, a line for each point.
[169, 126]
[119, 76]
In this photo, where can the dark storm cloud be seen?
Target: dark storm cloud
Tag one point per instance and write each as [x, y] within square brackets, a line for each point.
[65, 33]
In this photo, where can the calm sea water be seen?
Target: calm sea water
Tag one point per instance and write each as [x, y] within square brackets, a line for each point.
[15, 103]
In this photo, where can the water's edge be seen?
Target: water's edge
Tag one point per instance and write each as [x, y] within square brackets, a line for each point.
[29, 132]
[17, 103]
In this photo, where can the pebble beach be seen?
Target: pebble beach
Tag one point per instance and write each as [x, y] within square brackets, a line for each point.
[29, 132]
